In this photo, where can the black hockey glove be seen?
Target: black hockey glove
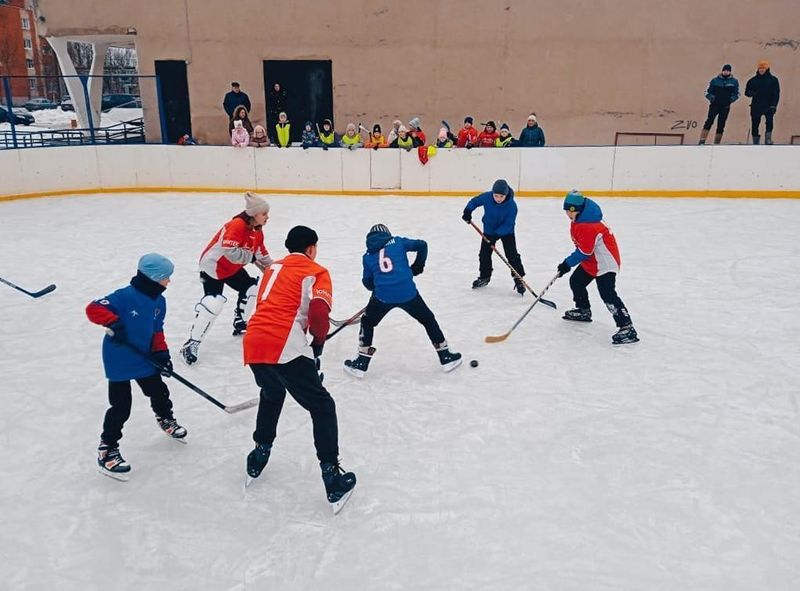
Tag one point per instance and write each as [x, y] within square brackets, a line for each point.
[163, 361]
[467, 216]
[325, 147]
[417, 268]
[563, 268]
[317, 350]
[117, 332]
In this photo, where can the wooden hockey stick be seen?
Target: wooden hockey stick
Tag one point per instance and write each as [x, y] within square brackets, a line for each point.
[503, 337]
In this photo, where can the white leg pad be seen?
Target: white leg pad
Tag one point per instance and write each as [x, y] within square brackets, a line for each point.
[250, 304]
[207, 309]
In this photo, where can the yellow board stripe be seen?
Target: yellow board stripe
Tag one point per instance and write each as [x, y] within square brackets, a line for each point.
[685, 193]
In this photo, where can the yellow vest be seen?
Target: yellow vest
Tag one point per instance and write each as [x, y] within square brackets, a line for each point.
[405, 143]
[349, 141]
[327, 138]
[502, 143]
[283, 134]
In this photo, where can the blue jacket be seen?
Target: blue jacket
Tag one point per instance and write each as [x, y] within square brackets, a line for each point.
[723, 91]
[140, 308]
[498, 218]
[387, 273]
[591, 214]
[530, 137]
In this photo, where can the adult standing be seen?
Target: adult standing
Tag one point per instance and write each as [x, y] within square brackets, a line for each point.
[765, 90]
[723, 90]
[276, 104]
[531, 136]
[234, 98]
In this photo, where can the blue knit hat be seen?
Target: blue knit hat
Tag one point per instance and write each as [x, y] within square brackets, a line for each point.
[155, 266]
[500, 186]
[574, 201]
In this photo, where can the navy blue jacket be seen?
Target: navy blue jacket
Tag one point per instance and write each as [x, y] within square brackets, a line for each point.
[387, 273]
[498, 218]
[723, 91]
[530, 137]
[765, 91]
[233, 100]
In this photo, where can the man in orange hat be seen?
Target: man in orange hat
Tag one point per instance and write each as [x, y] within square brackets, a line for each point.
[765, 90]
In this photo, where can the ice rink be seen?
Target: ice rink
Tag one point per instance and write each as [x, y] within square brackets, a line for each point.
[560, 463]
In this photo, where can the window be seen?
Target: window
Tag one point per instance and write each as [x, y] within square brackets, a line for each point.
[29, 63]
[26, 24]
[26, 43]
[32, 83]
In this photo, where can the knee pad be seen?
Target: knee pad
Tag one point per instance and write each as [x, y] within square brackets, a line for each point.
[247, 304]
[207, 310]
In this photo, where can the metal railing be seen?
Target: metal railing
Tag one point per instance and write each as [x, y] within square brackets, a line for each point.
[126, 132]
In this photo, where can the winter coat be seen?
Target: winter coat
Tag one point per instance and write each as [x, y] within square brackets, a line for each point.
[245, 120]
[445, 143]
[486, 139]
[140, 309]
[309, 138]
[596, 247]
[351, 142]
[233, 100]
[530, 137]
[498, 218]
[765, 91]
[276, 102]
[504, 142]
[376, 142]
[384, 251]
[722, 91]
[418, 136]
[467, 136]
[406, 143]
[240, 138]
[259, 137]
[283, 133]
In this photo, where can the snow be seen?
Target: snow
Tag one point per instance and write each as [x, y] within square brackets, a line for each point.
[561, 462]
[52, 119]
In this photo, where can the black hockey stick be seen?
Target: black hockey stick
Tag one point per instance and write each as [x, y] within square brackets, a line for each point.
[230, 409]
[346, 323]
[504, 336]
[33, 294]
[513, 270]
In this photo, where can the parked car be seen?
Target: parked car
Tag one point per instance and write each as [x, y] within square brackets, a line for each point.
[66, 105]
[37, 104]
[18, 116]
[120, 101]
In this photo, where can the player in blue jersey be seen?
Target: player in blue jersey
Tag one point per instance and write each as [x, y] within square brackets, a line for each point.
[390, 278]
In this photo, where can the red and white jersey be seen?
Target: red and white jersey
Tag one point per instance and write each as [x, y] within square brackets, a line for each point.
[276, 332]
[232, 247]
[595, 240]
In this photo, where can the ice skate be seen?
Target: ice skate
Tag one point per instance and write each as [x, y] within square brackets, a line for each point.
[578, 315]
[358, 367]
[519, 287]
[239, 326]
[111, 463]
[172, 429]
[448, 359]
[339, 484]
[256, 462]
[626, 334]
[189, 351]
[480, 282]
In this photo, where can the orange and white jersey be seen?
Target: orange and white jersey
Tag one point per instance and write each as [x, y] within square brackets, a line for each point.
[232, 247]
[276, 332]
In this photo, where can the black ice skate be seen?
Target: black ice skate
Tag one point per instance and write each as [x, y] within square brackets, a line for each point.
[256, 462]
[110, 462]
[449, 360]
[172, 429]
[189, 351]
[239, 325]
[578, 315]
[519, 286]
[358, 367]
[480, 282]
[626, 334]
[339, 484]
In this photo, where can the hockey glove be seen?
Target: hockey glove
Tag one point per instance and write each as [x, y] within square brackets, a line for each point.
[162, 360]
[563, 268]
[467, 216]
[317, 350]
[117, 332]
[417, 268]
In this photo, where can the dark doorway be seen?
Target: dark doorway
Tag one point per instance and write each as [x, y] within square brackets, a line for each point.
[309, 92]
[175, 96]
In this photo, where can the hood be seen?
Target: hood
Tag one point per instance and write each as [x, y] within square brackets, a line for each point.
[591, 213]
[377, 240]
[508, 199]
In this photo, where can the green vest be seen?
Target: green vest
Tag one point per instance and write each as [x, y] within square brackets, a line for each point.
[327, 138]
[502, 143]
[405, 143]
[283, 134]
[350, 141]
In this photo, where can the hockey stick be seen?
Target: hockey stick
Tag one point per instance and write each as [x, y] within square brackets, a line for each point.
[346, 323]
[503, 337]
[230, 409]
[33, 294]
[350, 320]
[513, 270]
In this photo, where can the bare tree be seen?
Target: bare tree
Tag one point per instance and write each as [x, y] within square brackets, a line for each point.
[81, 55]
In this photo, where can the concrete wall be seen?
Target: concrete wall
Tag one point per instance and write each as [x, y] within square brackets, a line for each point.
[741, 171]
[589, 68]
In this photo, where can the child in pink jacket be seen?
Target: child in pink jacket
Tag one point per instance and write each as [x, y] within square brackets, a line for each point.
[239, 136]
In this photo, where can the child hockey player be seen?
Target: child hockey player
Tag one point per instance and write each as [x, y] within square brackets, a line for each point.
[499, 217]
[390, 278]
[295, 298]
[134, 348]
[237, 244]
[597, 257]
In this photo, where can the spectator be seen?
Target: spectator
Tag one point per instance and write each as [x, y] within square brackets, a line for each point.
[403, 140]
[327, 137]
[467, 135]
[443, 140]
[765, 91]
[531, 136]
[450, 134]
[376, 140]
[396, 124]
[487, 137]
[415, 131]
[240, 114]
[351, 138]
[723, 90]
[235, 98]
[259, 139]
[276, 104]
[282, 131]
[240, 138]
[187, 140]
[505, 140]
[309, 138]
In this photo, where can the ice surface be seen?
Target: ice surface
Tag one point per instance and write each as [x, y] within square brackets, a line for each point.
[560, 463]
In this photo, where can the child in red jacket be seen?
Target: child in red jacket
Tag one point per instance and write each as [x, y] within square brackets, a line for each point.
[467, 135]
[487, 138]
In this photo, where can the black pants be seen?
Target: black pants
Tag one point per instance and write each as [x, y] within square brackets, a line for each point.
[509, 247]
[755, 118]
[606, 285]
[721, 113]
[415, 307]
[119, 397]
[301, 379]
[240, 281]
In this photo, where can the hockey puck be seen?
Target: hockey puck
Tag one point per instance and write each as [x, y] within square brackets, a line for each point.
[473, 363]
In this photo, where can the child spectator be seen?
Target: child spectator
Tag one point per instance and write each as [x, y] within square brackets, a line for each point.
[487, 137]
[309, 138]
[187, 140]
[239, 136]
[531, 136]
[403, 140]
[327, 137]
[282, 131]
[259, 139]
[376, 140]
[505, 140]
[396, 124]
[351, 139]
[443, 140]
[450, 135]
[240, 114]
[416, 133]
[467, 135]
